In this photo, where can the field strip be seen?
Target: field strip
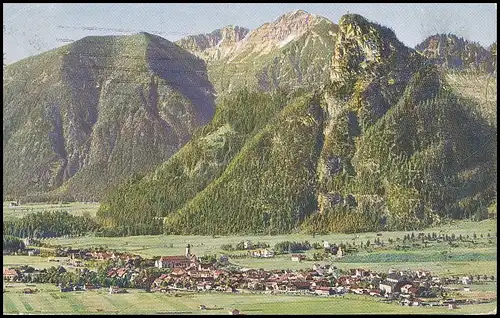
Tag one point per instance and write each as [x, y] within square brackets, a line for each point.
[8, 305]
[62, 304]
[100, 300]
[16, 299]
[117, 301]
[48, 302]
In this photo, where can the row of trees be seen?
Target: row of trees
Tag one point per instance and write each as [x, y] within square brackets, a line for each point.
[291, 247]
[49, 224]
[243, 245]
[12, 244]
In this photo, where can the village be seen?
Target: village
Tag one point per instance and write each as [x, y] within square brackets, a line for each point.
[212, 274]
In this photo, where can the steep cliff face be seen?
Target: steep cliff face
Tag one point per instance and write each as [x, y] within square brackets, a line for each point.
[81, 118]
[291, 52]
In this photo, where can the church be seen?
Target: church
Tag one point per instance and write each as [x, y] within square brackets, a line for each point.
[180, 261]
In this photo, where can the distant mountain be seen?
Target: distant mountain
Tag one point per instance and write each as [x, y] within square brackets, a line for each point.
[452, 52]
[291, 52]
[80, 119]
[381, 143]
[215, 45]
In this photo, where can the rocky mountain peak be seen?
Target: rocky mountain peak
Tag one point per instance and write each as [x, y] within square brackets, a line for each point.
[293, 23]
[364, 47]
[277, 34]
[452, 52]
[227, 35]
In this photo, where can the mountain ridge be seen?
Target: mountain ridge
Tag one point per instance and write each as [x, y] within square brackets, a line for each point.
[290, 52]
[78, 103]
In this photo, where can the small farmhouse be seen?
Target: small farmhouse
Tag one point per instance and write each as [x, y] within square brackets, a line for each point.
[297, 257]
[10, 274]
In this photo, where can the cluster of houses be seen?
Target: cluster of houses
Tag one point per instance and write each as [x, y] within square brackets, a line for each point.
[188, 273]
[320, 280]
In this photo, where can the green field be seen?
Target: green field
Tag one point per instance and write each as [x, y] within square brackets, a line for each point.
[440, 259]
[34, 261]
[50, 300]
[74, 208]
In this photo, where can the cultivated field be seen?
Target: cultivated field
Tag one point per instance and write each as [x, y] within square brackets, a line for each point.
[439, 258]
[74, 208]
[50, 300]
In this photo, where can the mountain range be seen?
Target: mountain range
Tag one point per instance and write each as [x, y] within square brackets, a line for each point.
[384, 144]
[293, 51]
[298, 125]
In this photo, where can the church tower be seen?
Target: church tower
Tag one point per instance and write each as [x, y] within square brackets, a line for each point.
[188, 250]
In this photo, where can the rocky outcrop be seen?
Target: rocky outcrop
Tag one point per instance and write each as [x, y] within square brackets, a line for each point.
[215, 45]
[453, 53]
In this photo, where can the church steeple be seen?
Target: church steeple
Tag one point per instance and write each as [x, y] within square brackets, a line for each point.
[188, 250]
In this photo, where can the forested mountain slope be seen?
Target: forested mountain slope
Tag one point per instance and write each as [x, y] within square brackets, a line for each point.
[384, 143]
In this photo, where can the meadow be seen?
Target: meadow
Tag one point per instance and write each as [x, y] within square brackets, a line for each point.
[439, 258]
[34, 261]
[74, 208]
[50, 300]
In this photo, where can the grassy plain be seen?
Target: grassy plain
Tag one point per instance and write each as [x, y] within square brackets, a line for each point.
[34, 261]
[74, 208]
[438, 258]
[50, 300]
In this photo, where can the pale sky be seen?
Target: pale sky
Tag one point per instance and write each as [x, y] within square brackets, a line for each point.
[30, 29]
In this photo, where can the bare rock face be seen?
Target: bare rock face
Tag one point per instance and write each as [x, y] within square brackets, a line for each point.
[215, 45]
[294, 51]
[451, 52]
[277, 34]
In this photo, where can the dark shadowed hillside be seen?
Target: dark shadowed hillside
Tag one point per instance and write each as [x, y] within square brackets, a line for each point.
[80, 119]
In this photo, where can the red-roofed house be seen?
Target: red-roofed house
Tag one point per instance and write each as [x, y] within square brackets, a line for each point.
[323, 290]
[10, 274]
[121, 272]
[178, 272]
